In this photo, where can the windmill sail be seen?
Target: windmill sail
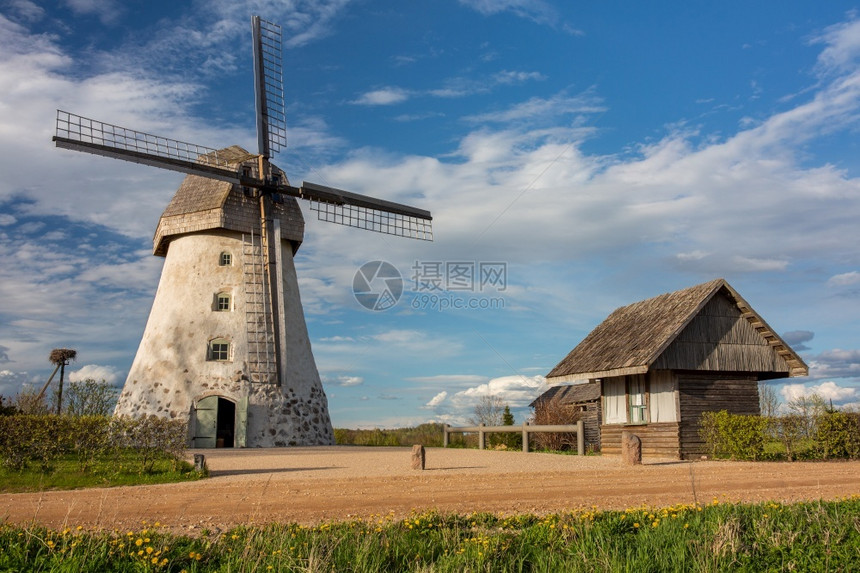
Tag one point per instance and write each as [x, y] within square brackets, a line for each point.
[92, 136]
[269, 87]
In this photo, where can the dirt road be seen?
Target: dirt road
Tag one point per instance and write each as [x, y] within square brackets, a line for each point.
[309, 485]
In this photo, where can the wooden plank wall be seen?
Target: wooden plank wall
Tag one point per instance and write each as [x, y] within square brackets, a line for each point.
[719, 338]
[591, 419]
[699, 392]
[658, 440]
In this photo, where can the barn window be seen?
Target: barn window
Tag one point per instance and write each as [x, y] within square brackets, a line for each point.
[219, 350]
[225, 260]
[636, 393]
[661, 397]
[223, 302]
[615, 409]
[624, 400]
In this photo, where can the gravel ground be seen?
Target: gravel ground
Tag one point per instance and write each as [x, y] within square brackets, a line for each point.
[310, 485]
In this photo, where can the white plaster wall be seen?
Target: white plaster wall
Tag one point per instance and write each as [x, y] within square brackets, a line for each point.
[171, 371]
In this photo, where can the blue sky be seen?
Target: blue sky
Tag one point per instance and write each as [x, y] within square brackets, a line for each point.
[604, 152]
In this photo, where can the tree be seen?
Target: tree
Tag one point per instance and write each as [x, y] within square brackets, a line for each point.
[511, 440]
[30, 402]
[768, 400]
[8, 409]
[809, 408]
[489, 411]
[90, 398]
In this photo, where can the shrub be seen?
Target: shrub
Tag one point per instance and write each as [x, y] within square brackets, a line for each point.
[790, 431]
[838, 435]
[90, 398]
[734, 435]
[550, 413]
[25, 439]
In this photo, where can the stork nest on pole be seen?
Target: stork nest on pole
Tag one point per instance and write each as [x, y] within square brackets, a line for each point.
[62, 355]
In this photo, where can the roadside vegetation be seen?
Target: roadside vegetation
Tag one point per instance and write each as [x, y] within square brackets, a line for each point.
[806, 428]
[813, 536]
[84, 446]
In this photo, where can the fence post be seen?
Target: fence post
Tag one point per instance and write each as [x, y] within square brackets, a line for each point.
[525, 437]
[481, 438]
[445, 435]
[580, 437]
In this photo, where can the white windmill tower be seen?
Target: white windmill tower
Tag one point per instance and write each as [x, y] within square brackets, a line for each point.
[226, 346]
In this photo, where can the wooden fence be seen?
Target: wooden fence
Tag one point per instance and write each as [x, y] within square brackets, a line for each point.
[482, 430]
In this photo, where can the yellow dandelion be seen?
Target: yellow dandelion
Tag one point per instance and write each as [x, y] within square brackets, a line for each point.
[139, 542]
[636, 525]
[149, 550]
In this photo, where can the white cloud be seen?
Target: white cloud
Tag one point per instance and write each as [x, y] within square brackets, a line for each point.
[106, 10]
[516, 391]
[96, 372]
[437, 399]
[842, 46]
[827, 390]
[384, 96]
[536, 10]
[26, 10]
[844, 279]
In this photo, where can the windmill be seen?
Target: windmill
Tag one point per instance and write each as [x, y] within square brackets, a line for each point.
[226, 345]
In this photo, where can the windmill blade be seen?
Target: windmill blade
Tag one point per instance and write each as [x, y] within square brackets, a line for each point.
[368, 213]
[93, 136]
[269, 87]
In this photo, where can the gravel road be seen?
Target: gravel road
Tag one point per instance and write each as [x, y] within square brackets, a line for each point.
[310, 485]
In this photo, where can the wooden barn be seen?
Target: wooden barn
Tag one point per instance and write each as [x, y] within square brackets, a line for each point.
[661, 362]
[574, 402]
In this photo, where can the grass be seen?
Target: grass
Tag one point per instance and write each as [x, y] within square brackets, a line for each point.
[813, 536]
[108, 471]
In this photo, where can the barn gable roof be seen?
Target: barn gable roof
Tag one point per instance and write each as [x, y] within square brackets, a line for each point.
[634, 337]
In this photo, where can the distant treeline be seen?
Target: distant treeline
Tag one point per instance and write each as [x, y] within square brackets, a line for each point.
[429, 435]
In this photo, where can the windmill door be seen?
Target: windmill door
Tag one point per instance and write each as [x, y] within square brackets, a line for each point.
[215, 423]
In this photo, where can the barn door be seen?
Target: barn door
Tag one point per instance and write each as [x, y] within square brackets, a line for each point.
[206, 422]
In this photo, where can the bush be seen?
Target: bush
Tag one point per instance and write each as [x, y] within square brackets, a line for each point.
[90, 398]
[790, 431]
[734, 435]
[551, 413]
[41, 439]
[838, 435]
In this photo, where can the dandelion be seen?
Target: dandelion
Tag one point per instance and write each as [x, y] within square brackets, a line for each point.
[139, 542]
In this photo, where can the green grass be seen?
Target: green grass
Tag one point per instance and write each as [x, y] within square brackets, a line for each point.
[815, 536]
[109, 471]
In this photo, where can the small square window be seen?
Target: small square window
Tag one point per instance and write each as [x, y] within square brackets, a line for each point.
[223, 302]
[219, 350]
[225, 260]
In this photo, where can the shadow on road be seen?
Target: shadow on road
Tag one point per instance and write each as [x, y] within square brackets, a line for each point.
[219, 473]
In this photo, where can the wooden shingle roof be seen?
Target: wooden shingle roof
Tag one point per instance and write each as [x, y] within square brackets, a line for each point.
[203, 204]
[570, 394]
[634, 337]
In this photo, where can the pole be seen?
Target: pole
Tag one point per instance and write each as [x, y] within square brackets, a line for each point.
[60, 390]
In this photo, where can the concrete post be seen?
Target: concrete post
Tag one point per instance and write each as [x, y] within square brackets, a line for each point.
[580, 437]
[481, 438]
[525, 437]
[445, 435]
